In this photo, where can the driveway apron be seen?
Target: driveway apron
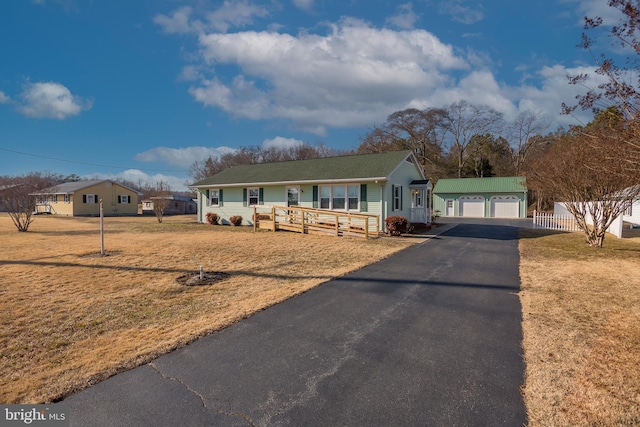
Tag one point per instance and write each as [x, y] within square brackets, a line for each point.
[430, 336]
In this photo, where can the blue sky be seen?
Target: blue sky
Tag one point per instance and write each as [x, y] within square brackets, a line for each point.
[140, 89]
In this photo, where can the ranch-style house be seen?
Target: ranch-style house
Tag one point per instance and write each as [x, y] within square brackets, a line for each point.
[82, 198]
[381, 184]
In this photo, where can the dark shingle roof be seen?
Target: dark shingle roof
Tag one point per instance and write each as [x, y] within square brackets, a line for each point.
[363, 166]
[512, 184]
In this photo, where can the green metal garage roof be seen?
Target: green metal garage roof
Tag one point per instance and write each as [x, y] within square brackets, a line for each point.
[512, 184]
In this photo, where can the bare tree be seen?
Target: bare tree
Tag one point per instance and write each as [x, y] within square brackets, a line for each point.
[421, 131]
[379, 140]
[525, 137]
[161, 197]
[492, 157]
[583, 170]
[622, 86]
[202, 169]
[18, 199]
[465, 121]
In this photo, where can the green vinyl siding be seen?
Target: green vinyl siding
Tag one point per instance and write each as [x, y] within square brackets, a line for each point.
[402, 176]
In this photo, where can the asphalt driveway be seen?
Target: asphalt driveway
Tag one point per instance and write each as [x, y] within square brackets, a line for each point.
[429, 337]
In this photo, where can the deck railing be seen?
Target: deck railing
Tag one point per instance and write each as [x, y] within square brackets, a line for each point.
[315, 221]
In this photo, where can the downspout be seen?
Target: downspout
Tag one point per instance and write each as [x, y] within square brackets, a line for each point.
[382, 208]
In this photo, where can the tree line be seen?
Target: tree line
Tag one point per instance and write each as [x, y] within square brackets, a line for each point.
[462, 140]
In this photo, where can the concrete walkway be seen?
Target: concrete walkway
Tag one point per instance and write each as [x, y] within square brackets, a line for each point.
[428, 337]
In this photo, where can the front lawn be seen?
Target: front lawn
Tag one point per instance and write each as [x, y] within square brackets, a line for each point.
[70, 317]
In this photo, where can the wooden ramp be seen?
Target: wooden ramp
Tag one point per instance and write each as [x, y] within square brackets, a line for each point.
[315, 221]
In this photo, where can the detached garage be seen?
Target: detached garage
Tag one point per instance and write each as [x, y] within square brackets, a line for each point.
[504, 197]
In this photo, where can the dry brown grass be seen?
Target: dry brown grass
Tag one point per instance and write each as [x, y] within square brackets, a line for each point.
[70, 318]
[581, 323]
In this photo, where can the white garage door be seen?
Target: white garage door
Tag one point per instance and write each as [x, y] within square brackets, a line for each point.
[472, 206]
[505, 207]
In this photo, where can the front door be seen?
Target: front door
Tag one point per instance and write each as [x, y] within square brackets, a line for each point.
[449, 209]
[293, 196]
[418, 211]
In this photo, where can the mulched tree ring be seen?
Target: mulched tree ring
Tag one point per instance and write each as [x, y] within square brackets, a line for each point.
[99, 255]
[210, 277]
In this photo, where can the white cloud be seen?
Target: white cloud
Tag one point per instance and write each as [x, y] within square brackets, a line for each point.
[460, 12]
[405, 18]
[235, 14]
[51, 100]
[282, 143]
[176, 183]
[303, 4]
[351, 76]
[354, 75]
[597, 8]
[553, 90]
[190, 73]
[181, 157]
[230, 14]
[178, 22]
[4, 99]
[479, 88]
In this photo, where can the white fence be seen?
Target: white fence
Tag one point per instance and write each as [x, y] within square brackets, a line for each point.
[562, 220]
[552, 221]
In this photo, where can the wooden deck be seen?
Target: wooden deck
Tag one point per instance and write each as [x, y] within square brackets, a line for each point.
[315, 221]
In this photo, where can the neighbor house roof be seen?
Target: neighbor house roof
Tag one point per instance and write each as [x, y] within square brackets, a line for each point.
[512, 184]
[72, 187]
[342, 168]
[186, 199]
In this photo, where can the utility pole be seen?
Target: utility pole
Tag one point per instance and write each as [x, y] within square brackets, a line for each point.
[101, 229]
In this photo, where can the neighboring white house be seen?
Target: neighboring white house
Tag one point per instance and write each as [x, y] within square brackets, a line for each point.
[382, 184]
[632, 214]
[560, 210]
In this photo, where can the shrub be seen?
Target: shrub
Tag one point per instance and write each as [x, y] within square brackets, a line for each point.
[213, 218]
[236, 220]
[396, 225]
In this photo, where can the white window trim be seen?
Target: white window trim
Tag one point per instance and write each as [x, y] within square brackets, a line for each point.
[397, 198]
[92, 199]
[346, 196]
[214, 205]
[67, 198]
[123, 199]
[257, 196]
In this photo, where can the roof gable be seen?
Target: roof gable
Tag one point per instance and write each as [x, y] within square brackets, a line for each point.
[512, 184]
[71, 187]
[353, 167]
